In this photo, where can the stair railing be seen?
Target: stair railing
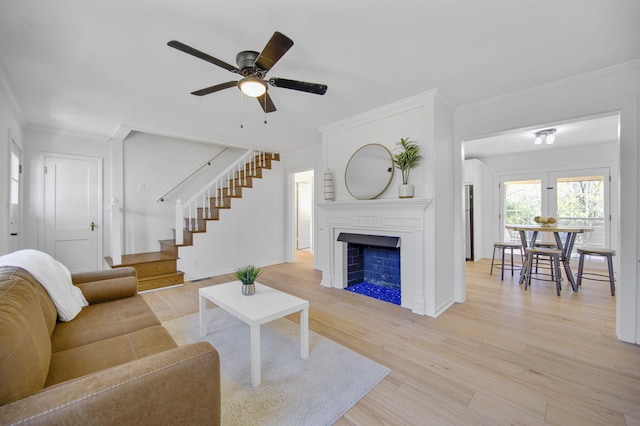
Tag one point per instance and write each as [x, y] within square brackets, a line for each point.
[188, 175]
[225, 182]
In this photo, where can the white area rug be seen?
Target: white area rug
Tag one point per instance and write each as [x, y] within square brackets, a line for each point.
[315, 391]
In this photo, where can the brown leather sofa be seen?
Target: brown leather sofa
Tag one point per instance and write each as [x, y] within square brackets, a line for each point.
[113, 363]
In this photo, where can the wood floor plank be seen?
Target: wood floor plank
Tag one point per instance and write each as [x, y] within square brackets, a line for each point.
[505, 356]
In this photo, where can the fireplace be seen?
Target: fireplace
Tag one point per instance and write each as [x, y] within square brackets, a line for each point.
[373, 266]
[378, 221]
[374, 271]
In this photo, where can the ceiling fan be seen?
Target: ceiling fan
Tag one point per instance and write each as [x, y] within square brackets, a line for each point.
[253, 67]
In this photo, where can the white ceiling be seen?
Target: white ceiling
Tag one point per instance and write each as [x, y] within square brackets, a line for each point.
[91, 66]
[596, 130]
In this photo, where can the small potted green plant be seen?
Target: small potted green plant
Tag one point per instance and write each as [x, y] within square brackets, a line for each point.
[406, 157]
[247, 276]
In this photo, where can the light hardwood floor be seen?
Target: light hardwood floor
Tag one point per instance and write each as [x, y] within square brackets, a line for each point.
[505, 356]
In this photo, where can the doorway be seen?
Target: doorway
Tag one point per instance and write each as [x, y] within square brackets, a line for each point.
[72, 228]
[304, 210]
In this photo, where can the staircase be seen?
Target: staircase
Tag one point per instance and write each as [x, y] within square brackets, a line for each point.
[159, 269]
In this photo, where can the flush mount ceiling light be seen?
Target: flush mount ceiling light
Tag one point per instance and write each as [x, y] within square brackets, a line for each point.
[253, 86]
[547, 136]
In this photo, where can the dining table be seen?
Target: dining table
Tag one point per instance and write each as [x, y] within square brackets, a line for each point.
[565, 247]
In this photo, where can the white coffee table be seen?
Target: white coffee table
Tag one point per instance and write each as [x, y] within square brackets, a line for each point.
[267, 304]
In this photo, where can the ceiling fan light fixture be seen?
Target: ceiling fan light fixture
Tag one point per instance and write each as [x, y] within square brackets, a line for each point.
[253, 86]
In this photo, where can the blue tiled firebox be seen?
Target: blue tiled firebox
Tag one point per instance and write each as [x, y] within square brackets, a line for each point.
[374, 265]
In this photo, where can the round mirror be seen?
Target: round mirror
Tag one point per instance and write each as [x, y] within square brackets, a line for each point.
[369, 171]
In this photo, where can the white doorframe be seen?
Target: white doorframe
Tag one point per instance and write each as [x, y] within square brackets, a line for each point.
[291, 225]
[99, 217]
[304, 180]
[14, 230]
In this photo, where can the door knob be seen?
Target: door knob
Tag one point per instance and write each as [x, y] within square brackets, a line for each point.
[93, 226]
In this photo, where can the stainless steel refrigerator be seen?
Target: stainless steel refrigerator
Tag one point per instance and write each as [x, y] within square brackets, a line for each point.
[468, 221]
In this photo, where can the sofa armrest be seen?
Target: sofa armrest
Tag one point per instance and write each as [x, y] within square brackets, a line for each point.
[107, 285]
[179, 386]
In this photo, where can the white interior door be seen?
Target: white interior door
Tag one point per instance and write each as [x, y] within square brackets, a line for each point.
[72, 206]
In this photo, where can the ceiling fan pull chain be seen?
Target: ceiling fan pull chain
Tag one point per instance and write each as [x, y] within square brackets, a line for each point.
[241, 111]
[265, 108]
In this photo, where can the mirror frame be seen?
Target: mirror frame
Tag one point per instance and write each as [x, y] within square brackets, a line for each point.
[386, 184]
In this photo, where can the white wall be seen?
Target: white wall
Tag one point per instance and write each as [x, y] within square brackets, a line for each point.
[615, 89]
[9, 125]
[251, 232]
[590, 156]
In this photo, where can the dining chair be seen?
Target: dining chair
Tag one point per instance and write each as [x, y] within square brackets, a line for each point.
[555, 257]
[603, 252]
[545, 259]
[503, 247]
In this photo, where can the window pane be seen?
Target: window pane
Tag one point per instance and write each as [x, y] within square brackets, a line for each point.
[522, 202]
[580, 201]
[15, 178]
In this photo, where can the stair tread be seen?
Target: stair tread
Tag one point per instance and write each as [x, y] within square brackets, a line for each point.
[134, 259]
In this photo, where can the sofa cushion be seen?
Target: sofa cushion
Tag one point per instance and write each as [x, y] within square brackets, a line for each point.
[48, 308]
[103, 321]
[82, 360]
[25, 345]
[107, 285]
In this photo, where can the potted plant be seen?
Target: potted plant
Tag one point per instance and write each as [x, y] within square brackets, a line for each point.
[247, 276]
[406, 157]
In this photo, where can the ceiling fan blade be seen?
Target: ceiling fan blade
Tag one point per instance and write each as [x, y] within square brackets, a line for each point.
[276, 47]
[266, 103]
[198, 54]
[318, 89]
[215, 88]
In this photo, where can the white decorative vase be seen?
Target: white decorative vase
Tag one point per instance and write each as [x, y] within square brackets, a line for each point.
[405, 190]
[328, 185]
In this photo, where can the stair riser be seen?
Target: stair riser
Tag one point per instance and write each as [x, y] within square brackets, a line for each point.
[204, 213]
[155, 267]
[231, 193]
[160, 282]
[169, 249]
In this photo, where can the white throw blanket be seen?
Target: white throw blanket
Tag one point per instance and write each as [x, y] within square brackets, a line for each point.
[53, 276]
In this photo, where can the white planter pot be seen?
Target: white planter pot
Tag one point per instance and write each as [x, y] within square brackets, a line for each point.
[405, 191]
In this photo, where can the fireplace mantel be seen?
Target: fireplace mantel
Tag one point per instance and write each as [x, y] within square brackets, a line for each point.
[402, 218]
[379, 213]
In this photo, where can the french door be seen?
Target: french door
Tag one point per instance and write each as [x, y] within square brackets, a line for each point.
[575, 198]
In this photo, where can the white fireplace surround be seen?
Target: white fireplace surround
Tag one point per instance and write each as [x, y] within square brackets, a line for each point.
[385, 217]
